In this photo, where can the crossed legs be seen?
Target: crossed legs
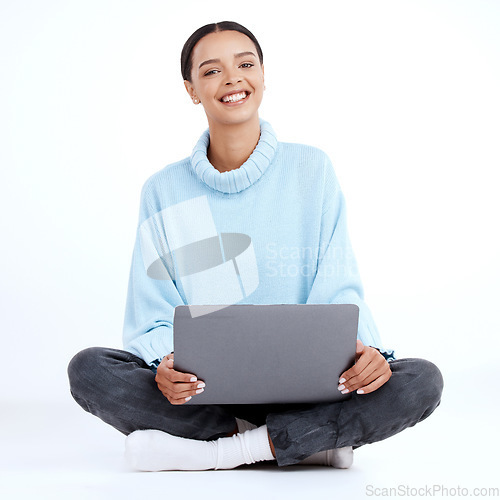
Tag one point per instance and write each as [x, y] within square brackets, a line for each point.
[120, 389]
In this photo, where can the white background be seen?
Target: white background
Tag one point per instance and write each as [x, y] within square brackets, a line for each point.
[403, 95]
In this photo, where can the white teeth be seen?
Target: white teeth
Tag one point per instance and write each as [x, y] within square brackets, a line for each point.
[234, 97]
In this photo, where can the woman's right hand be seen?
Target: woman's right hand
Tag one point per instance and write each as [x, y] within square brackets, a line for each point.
[177, 387]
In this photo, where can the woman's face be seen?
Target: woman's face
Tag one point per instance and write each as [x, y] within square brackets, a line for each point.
[227, 77]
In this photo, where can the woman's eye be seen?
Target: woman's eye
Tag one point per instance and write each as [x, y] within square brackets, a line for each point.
[211, 72]
[246, 65]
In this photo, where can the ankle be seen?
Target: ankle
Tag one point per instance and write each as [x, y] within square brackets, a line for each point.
[233, 432]
[271, 445]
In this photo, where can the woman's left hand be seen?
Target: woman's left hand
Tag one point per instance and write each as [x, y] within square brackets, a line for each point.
[370, 371]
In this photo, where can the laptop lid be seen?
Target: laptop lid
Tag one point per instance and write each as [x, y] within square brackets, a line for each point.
[273, 353]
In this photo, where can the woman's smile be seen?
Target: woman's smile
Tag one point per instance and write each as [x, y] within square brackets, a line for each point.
[235, 98]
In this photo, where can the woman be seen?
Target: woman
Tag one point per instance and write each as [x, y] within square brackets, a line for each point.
[240, 179]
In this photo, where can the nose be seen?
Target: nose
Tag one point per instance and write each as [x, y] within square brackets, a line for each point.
[233, 78]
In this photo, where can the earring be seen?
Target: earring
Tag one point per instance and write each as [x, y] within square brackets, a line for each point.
[195, 100]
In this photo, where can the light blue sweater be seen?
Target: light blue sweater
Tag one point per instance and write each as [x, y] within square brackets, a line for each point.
[270, 232]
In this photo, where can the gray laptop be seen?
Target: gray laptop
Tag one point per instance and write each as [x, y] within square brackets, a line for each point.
[274, 353]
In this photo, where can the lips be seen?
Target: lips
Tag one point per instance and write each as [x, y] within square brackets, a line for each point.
[234, 96]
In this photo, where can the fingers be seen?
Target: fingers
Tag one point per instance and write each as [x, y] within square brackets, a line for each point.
[358, 380]
[378, 382]
[370, 372]
[177, 387]
[355, 374]
[359, 348]
[181, 393]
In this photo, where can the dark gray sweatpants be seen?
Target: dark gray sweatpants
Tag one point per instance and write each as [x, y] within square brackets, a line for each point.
[120, 389]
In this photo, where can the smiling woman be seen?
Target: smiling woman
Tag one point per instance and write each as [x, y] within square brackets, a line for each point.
[241, 180]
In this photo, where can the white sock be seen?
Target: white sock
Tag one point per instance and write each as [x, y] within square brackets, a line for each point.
[340, 458]
[246, 448]
[153, 450]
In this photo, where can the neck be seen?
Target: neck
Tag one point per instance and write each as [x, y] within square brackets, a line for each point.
[231, 145]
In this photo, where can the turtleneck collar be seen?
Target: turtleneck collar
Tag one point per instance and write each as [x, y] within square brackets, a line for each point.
[240, 178]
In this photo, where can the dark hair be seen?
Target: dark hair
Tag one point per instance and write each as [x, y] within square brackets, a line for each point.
[187, 63]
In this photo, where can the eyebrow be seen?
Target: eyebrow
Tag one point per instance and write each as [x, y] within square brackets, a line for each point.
[240, 54]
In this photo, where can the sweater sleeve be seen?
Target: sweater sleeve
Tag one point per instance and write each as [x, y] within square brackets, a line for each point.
[337, 280]
[148, 324]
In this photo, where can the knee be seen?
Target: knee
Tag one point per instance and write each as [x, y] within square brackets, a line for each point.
[83, 370]
[432, 381]
[423, 385]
